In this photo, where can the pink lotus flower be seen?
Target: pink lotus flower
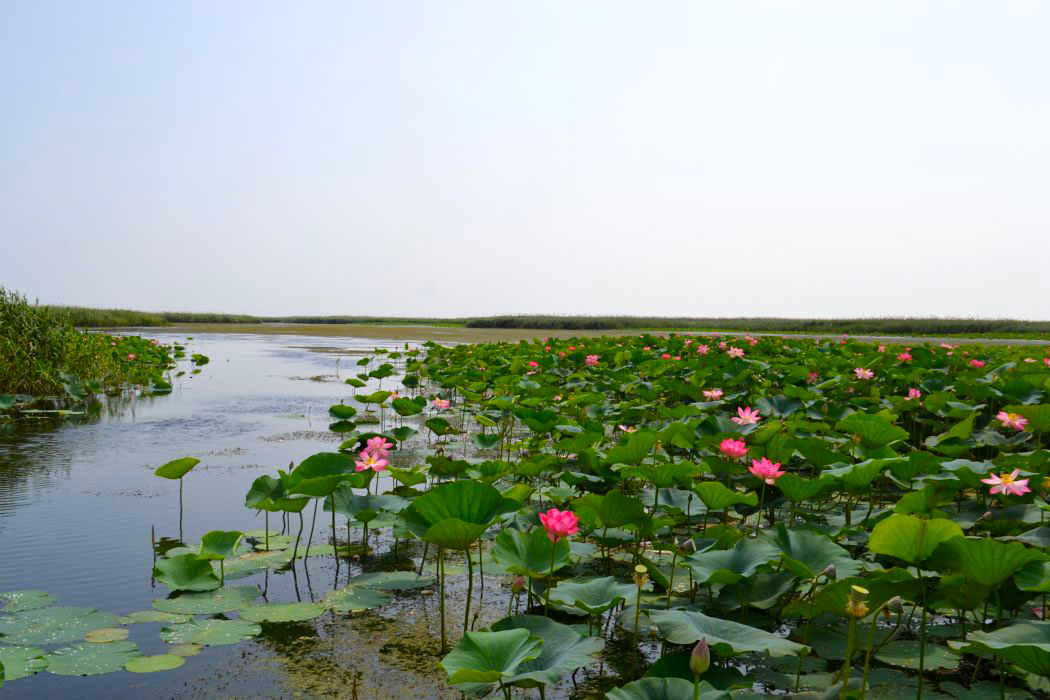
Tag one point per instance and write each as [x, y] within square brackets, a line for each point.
[746, 416]
[440, 404]
[559, 524]
[976, 363]
[647, 348]
[131, 357]
[561, 353]
[735, 352]
[1046, 361]
[627, 428]
[863, 373]
[665, 356]
[571, 348]
[1007, 484]
[591, 360]
[766, 470]
[688, 341]
[703, 350]
[913, 394]
[713, 394]
[534, 364]
[722, 345]
[752, 341]
[904, 357]
[112, 345]
[370, 461]
[678, 357]
[378, 446]
[1012, 420]
[734, 449]
[812, 378]
[547, 348]
[947, 346]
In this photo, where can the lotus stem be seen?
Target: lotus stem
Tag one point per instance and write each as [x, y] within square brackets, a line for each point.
[470, 590]
[266, 531]
[222, 573]
[295, 550]
[180, 508]
[441, 602]
[312, 523]
[922, 635]
[550, 583]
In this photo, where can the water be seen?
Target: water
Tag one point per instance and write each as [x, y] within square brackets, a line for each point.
[78, 499]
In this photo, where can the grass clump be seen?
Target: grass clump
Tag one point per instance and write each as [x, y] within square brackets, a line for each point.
[42, 352]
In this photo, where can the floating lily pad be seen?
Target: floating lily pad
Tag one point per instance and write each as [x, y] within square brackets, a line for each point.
[153, 616]
[21, 662]
[353, 599]
[210, 632]
[210, 603]
[17, 601]
[152, 664]
[282, 612]
[186, 573]
[87, 659]
[53, 625]
[189, 649]
[106, 635]
[392, 580]
[905, 654]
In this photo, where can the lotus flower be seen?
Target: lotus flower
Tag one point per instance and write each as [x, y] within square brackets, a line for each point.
[440, 404]
[591, 360]
[882, 348]
[131, 357]
[1007, 483]
[533, 364]
[703, 350]
[914, 393]
[812, 378]
[976, 363]
[627, 428]
[700, 658]
[1012, 420]
[665, 356]
[735, 352]
[369, 460]
[1046, 361]
[378, 446]
[733, 448]
[713, 394]
[863, 373]
[904, 357]
[766, 470]
[559, 524]
[721, 345]
[746, 416]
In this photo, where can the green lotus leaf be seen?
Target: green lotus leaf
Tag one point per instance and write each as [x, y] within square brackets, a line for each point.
[363, 507]
[455, 514]
[185, 573]
[223, 600]
[984, 560]
[319, 474]
[664, 689]
[153, 616]
[634, 449]
[281, 612]
[807, 554]
[392, 580]
[1025, 644]
[725, 637]
[105, 635]
[875, 431]
[564, 650]
[354, 599]
[87, 659]
[612, 509]
[798, 489]
[220, 544]
[210, 632]
[21, 662]
[177, 468]
[152, 664]
[905, 654]
[909, 538]
[17, 601]
[529, 553]
[406, 407]
[593, 596]
[489, 657]
[190, 649]
[52, 625]
[731, 565]
[342, 411]
[716, 496]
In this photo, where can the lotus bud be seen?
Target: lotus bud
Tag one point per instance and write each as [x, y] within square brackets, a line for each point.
[517, 585]
[830, 573]
[641, 575]
[689, 546]
[857, 606]
[895, 605]
[700, 659]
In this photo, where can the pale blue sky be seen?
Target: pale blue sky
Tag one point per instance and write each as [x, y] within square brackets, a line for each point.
[456, 158]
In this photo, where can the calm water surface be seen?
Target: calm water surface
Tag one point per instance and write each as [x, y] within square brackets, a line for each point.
[78, 499]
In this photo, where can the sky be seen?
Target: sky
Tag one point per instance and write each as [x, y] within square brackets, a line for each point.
[446, 158]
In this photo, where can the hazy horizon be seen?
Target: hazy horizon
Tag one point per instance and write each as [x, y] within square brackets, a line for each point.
[454, 159]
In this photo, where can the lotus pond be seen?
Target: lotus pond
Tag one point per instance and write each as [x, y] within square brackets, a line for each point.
[638, 518]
